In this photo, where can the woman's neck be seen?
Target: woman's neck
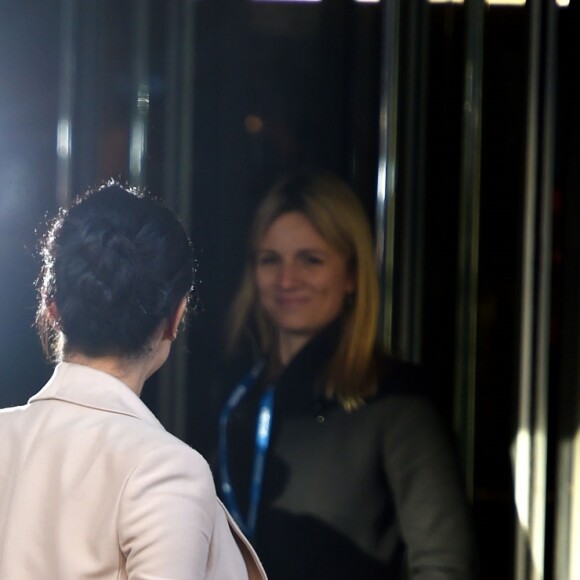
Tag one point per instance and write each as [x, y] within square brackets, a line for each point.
[289, 345]
[130, 372]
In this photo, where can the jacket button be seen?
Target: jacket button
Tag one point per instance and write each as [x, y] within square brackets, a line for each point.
[319, 418]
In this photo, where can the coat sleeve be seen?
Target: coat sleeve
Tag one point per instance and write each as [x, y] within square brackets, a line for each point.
[166, 516]
[432, 509]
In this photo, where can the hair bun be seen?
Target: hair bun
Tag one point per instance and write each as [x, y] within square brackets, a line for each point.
[115, 264]
[109, 268]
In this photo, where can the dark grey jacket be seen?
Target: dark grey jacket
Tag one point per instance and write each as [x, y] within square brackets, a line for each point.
[354, 495]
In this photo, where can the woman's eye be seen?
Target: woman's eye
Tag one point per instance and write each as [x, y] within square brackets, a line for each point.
[267, 259]
[313, 260]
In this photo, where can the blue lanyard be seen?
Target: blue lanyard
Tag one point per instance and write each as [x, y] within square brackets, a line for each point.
[262, 441]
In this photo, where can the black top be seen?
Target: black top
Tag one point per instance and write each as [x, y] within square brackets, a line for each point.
[353, 495]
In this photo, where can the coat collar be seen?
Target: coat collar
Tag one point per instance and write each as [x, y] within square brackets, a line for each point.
[300, 385]
[83, 385]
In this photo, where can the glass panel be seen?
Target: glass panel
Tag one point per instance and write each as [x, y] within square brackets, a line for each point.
[209, 102]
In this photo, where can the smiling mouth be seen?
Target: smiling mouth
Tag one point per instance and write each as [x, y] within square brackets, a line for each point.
[289, 302]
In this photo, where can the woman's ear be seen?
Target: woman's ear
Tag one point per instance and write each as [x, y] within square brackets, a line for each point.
[174, 321]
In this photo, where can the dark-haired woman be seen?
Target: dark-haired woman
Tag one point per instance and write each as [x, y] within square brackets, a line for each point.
[91, 485]
[331, 456]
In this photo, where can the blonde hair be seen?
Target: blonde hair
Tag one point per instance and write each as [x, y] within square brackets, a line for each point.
[337, 214]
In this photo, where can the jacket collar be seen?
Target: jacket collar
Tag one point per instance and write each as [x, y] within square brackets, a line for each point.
[83, 385]
[299, 386]
[314, 356]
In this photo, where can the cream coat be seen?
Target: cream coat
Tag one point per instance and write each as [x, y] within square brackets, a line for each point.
[93, 487]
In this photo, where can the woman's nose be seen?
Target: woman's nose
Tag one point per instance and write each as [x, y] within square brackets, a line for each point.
[287, 276]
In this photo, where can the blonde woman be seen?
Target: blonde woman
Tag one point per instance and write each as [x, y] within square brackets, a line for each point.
[331, 457]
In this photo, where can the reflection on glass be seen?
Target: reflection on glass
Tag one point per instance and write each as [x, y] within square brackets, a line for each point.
[63, 139]
[490, 2]
[281, 1]
[253, 124]
[561, 3]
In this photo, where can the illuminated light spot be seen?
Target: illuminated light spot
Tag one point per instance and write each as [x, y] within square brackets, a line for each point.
[506, 2]
[286, 1]
[63, 139]
[490, 2]
[523, 452]
[253, 124]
